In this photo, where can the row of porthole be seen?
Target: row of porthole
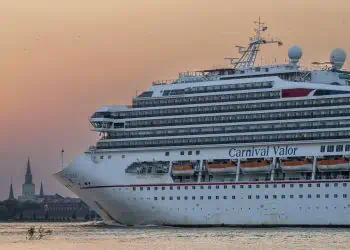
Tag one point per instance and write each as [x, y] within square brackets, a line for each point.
[241, 186]
[266, 197]
[338, 148]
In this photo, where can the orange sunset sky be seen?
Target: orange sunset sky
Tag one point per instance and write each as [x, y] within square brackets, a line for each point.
[60, 60]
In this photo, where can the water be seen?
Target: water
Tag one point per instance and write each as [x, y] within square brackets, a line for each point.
[96, 236]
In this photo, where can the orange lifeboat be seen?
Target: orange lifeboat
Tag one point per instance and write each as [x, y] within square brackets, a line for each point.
[296, 165]
[183, 169]
[331, 164]
[222, 167]
[253, 166]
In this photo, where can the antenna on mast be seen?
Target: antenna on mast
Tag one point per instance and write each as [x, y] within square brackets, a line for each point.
[248, 54]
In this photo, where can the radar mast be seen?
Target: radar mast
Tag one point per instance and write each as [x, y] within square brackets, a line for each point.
[249, 54]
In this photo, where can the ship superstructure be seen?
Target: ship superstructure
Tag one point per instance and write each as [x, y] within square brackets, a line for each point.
[243, 145]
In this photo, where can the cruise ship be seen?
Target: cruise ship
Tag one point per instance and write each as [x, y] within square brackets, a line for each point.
[246, 145]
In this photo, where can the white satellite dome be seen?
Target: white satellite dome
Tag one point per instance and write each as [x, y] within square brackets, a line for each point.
[337, 58]
[294, 53]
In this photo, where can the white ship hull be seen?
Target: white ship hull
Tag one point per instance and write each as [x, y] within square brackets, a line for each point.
[130, 198]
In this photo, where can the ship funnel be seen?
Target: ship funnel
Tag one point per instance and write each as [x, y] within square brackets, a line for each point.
[337, 58]
[294, 54]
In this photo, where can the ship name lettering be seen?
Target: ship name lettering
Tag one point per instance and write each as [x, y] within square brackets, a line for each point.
[263, 151]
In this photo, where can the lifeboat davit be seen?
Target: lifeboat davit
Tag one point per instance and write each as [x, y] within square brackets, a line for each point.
[183, 170]
[222, 167]
[296, 165]
[331, 164]
[253, 166]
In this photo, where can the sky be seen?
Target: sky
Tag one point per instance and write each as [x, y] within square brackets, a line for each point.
[61, 60]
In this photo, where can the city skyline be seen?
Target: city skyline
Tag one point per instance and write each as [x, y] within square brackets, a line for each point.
[61, 61]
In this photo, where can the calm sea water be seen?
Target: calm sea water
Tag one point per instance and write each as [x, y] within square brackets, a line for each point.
[91, 236]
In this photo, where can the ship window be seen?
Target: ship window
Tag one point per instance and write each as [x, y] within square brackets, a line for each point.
[209, 187]
[283, 196]
[327, 184]
[134, 188]
[189, 152]
[233, 186]
[266, 197]
[274, 196]
[309, 196]
[155, 188]
[291, 196]
[197, 152]
[344, 184]
[323, 148]
[178, 198]
[182, 153]
[123, 156]
[225, 197]
[185, 197]
[336, 184]
[339, 148]
[233, 197]
[209, 197]
[155, 198]
[309, 185]
[345, 195]
[148, 188]
[217, 197]
[141, 188]
[241, 186]
[193, 197]
[326, 196]
[163, 198]
[166, 153]
[178, 187]
[347, 148]
[335, 196]
[249, 186]
[330, 148]
[283, 185]
[257, 186]
[101, 157]
[249, 197]
[257, 197]
[300, 196]
[109, 157]
[274, 185]
[193, 187]
[202, 187]
[266, 185]
[201, 197]
[318, 185]
[186, 187]
[171, 188]
[318, 196]
[217, 187]
[171, 198]
[301, 185]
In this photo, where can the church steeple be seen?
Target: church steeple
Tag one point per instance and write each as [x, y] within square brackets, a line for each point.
[11, 196]
[41, 190]
[28, 188]
[28, 177]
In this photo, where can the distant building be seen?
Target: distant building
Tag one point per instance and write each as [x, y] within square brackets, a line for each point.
[11, 195]
[49, 207]
[28, 187]
[56, 207]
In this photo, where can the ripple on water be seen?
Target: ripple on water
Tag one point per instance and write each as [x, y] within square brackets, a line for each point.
[88, 236]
